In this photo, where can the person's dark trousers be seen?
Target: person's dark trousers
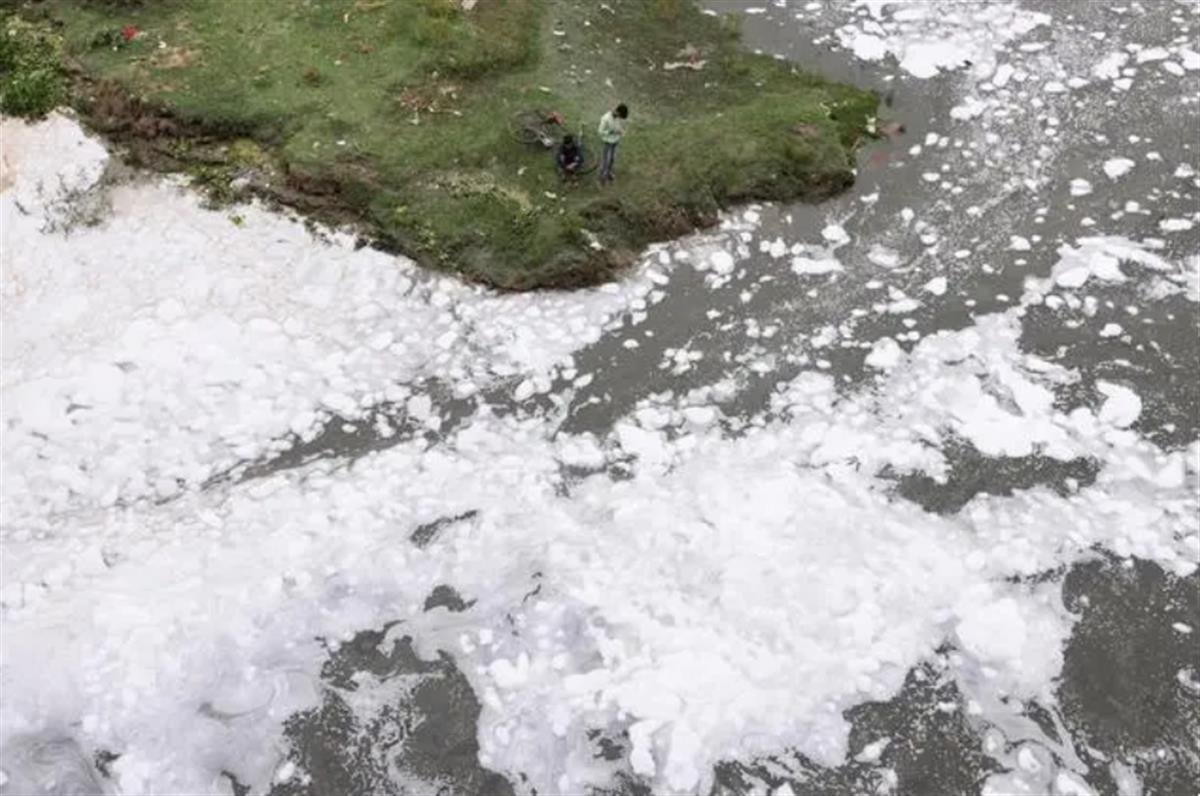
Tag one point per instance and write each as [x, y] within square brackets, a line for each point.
[606, 161]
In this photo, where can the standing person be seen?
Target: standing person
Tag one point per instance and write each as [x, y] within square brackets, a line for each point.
[612, 128]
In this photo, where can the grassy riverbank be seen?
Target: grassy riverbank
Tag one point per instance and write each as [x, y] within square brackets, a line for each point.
[396, 115]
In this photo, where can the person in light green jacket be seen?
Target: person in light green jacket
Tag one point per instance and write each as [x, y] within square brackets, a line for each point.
[612, 128]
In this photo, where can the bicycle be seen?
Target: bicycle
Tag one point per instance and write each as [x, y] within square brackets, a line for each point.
[545, 129]
[538, 128]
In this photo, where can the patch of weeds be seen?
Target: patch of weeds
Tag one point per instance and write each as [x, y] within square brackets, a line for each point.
[215, 181]
[108, 39]
[854, 116]
[668, 10]
[245, 152]
[734, 65]
[467, 44]
[114, 38]
[73, 207]
[31, 75]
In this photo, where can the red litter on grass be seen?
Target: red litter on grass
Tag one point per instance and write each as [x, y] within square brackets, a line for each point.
[129, 32]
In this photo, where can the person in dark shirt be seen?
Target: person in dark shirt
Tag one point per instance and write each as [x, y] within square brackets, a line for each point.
[569, 157]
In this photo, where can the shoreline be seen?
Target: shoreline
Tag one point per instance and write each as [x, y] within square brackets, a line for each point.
[446, 186]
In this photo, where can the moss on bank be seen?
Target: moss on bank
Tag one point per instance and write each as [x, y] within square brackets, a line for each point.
[396, 114]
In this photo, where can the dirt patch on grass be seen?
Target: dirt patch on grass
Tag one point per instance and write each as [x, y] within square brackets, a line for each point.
[174, 58]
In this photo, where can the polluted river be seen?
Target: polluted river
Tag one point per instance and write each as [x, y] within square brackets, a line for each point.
[894, 493]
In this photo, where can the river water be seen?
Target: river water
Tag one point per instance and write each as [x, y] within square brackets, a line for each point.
[896, 493]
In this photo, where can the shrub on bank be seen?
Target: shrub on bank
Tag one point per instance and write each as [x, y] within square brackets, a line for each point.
[31, 75]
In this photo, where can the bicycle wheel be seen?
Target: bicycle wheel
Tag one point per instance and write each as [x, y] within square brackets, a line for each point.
[590, 161]
[527, 127]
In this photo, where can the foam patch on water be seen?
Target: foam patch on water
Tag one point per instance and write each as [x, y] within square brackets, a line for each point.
[147, 350]
[929, 38]
[680, 628]
[1112, 259]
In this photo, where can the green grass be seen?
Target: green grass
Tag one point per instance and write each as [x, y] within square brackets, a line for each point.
[31, 77]
[401, 108]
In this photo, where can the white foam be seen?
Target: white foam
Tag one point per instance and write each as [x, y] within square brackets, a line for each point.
[145, 354]
[1149, 54]
[1118, 167]
[1067, 783]
[679, 628]
[808, 266]
[721, 261]
[706, 548]
[835, 234]
[883, 256]
[936, 286]
[885, 354]
[929, 38]
[1122, 407]
[1109, 68]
